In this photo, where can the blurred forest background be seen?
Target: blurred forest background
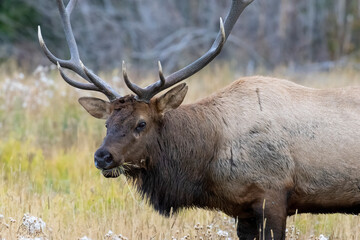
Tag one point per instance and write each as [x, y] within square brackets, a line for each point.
[297, 34]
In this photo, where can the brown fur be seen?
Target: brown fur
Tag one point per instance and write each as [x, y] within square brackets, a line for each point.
[260, 138]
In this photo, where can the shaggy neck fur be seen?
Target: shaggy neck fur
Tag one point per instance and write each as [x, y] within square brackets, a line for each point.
[178, 177]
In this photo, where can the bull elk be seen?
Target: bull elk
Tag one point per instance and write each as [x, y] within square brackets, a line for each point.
[259, 138]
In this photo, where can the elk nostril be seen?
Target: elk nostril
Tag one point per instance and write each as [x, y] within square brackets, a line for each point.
[108, 158]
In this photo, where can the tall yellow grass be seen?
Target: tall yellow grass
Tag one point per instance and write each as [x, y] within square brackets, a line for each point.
[46, 166]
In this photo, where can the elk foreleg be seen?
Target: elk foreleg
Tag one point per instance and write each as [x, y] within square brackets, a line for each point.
[266, 223]
[247, 228]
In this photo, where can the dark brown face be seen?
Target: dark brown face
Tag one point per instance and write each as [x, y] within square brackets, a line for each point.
[131, 129]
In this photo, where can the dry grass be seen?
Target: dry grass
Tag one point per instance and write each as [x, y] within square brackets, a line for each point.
[46, 168]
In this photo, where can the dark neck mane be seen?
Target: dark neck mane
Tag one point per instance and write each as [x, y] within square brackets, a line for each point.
[181, 156]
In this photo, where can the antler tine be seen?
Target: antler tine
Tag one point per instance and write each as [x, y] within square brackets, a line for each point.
[65, 13]
[47, 52]
[71, 6]
[143, 94]
[161, 75]
[84, 86]
[99, 83]
[237, 7]
[74, 63]
[133, 87]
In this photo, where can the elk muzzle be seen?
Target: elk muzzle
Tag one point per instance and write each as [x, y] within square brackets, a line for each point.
[104, 159]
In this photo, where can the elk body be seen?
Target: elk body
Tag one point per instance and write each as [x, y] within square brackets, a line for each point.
[259, 139]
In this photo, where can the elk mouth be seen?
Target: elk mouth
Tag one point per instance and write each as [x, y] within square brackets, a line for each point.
[113, 172]
[121, 169]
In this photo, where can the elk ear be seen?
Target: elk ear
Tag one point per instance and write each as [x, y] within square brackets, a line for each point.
[172, 99]
[96, 107]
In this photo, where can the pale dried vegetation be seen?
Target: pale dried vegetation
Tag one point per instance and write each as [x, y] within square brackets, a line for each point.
[49, 188]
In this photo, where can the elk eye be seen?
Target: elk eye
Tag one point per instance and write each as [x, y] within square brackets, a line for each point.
[141, 126]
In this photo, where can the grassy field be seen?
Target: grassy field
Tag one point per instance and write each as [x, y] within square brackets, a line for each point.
[47, 143]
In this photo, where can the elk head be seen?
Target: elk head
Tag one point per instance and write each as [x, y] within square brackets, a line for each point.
[132, 121]
[131, 126]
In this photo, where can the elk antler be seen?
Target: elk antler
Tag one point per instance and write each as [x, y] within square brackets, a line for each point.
[145, 94]
[74, 63]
